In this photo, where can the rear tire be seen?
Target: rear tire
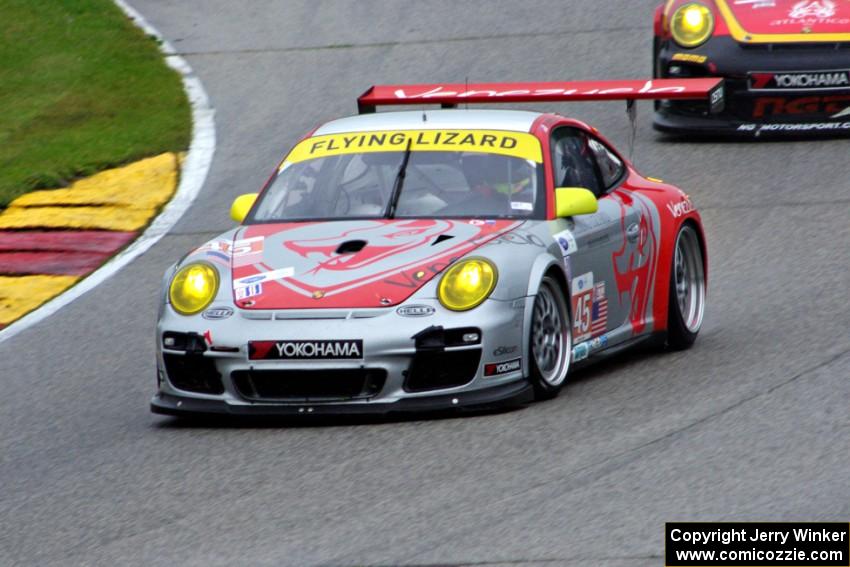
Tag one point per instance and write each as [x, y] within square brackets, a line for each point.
[686, 304]
[550, 341]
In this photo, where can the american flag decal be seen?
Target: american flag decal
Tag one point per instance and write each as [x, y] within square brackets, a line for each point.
[599, 318]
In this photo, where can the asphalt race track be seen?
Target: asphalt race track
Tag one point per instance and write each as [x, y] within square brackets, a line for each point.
[751, 424]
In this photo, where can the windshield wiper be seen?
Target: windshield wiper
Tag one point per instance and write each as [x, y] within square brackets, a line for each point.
[399, 182]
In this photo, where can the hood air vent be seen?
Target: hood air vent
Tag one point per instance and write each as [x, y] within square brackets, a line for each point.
[351, 246]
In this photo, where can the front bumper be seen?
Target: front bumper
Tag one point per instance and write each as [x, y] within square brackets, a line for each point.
[750, 112]
[402, 368]
[515, 393]
[678, 122]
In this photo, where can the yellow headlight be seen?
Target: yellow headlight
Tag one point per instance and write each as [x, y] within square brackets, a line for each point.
[692, 25]
[192, 288]
[466, 284]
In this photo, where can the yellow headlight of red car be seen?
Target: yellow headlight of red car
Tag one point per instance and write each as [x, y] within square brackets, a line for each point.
[467, 284]
[193, 288]
[692, 25]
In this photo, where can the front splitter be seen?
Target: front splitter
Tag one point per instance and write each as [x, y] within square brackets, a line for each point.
[506, 395]
[679, 125]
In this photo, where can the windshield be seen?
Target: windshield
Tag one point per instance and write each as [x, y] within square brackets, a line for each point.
[449, 174]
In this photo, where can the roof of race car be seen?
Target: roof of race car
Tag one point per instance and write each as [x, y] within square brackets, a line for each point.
[455, 119]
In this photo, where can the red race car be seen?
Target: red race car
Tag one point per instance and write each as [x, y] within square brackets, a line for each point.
[786, 65]
[435, 259]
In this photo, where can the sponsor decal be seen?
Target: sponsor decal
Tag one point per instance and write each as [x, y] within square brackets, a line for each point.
[503, 350]
[567, 242]
[264, 277]
[716, 99]
[215, 313]
[812, 9]
[416, 311]
[580, 352]
[222, 246]
[599, 313]
[756, 3]
[599, 342]
[690, 57]
[247, 251]
[681, 208]
[599, 291]
[521, 206]
[590, 307]
[520, 238]
[518, 313]
[514, 144]
[499, 368]
[807, 23]
[441, 91]
[217, 251]
[306, 350]
[814, 80]
[251, 290]
[811, 12]
[218, 258]
[806, 127]
[583, 283]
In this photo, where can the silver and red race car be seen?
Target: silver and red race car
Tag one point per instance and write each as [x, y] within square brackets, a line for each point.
[786, 64]
[434, 259]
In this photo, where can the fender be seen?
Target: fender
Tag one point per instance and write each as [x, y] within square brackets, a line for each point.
[658, 23]
[541, 266]
[674, 209]
[662, 300]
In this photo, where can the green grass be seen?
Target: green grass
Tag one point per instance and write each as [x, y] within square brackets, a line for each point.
[81, 90]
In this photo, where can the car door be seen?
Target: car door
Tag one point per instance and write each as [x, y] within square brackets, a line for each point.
[592, 243]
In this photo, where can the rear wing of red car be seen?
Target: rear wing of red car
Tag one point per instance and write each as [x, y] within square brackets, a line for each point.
[450, 95]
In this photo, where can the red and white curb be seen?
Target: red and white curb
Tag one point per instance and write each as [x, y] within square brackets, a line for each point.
[192, 176]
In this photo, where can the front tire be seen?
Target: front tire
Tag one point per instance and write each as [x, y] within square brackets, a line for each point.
[686, 305]
[551, 341]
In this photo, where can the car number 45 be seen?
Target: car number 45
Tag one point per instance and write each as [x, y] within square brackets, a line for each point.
[583, 314]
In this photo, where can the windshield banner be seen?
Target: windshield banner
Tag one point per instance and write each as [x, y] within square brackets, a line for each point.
[514, 144]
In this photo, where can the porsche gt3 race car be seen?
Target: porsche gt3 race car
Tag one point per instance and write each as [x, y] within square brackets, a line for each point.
[786, 65]
[433, 259]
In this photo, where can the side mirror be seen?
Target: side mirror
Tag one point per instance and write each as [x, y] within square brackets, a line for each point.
[241, 205]
[572, 201]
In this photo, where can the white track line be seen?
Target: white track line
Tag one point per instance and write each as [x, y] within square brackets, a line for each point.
[192, 177]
